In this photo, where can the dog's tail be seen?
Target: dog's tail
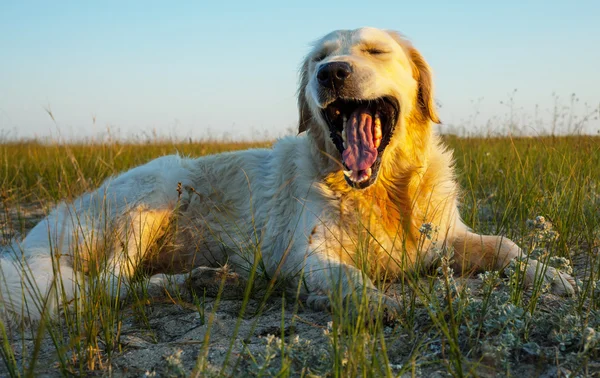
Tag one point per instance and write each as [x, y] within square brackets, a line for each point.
[30, 287]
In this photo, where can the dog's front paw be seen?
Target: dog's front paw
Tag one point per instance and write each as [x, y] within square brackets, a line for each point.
[379, 303]
[557, 282]
[560, 283]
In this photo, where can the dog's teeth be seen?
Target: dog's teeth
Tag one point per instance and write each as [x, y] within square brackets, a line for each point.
[366, 175]
[377, 134]
[348, 173]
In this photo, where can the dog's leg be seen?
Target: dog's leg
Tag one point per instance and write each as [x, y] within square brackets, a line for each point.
[473, 252]
[137, 233]
[329, 280]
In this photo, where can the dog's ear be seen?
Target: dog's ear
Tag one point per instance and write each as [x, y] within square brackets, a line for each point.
[305, 116]
[423, 76]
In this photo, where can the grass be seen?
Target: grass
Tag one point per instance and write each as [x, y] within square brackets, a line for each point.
[543, 193]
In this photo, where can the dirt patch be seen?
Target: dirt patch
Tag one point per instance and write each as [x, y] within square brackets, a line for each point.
[169, 341]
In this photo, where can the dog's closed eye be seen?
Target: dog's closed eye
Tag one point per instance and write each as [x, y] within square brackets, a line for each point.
[376, 51]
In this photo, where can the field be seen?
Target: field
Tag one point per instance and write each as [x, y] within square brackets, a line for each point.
[543, 193]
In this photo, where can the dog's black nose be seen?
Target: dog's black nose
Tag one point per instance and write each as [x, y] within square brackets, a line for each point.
[332, 75]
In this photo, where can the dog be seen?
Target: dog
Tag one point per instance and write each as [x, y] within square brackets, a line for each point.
[343, 201]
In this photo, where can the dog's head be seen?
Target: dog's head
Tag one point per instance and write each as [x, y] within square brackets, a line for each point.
[360, 87]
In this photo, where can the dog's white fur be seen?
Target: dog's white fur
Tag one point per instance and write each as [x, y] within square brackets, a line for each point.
[290, 204]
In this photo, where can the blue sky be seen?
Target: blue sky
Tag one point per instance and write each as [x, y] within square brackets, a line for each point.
[192, 69]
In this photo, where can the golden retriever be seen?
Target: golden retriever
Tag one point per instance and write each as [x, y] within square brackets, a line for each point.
[345, 200]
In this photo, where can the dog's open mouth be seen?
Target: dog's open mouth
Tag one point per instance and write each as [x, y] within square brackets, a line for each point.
[361, 130]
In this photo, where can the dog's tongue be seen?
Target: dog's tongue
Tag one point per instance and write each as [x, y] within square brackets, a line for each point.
[360, 152]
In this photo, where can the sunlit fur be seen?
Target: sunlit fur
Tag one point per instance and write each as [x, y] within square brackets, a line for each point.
[288, 206]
